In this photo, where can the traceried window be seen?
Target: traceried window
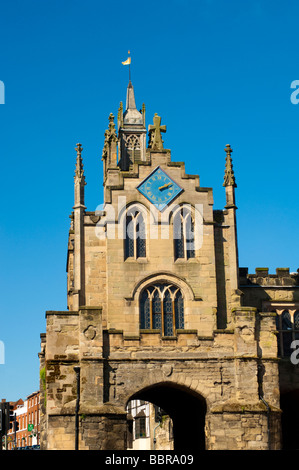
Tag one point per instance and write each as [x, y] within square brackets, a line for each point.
[183, 234]
[162, 308]
[133, 148]
[135, 235]
[287, 324]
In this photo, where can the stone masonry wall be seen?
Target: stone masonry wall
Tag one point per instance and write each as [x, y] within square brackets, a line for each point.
[221, 369]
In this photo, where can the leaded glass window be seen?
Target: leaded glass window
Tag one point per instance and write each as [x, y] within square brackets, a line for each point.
[135, 235]
[183, 231]
[145, 319]
[129, 239]
[140, 237]
[287, 324]
[179, 311]
[168, 314]
[156, 311]
[286, 320]
[140, 425]
[287, 332]
[162, 308]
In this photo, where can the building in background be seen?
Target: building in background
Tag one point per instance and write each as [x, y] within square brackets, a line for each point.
[149, 427]
[28, 418]
[7, 420]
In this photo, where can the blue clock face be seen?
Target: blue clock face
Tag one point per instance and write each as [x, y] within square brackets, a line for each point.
[159, 188]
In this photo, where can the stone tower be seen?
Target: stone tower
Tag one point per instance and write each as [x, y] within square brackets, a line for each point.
[156, 309]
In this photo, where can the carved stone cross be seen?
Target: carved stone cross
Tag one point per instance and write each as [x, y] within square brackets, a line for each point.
[155, 130]
[222, 382]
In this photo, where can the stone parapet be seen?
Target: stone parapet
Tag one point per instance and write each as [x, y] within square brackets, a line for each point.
[283, 277]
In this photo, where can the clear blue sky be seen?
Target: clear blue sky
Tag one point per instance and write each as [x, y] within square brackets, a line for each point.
[217, 72]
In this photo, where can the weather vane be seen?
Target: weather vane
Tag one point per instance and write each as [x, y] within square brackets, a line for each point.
[128, 62]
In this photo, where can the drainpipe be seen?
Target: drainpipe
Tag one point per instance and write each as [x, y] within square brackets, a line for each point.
[77, 370]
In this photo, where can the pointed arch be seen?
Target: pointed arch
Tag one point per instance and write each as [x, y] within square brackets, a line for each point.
[133, 147]
[183, 233]
[161, 307]
[134, 224]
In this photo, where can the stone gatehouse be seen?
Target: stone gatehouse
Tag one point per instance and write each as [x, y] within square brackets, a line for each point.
[159, 310]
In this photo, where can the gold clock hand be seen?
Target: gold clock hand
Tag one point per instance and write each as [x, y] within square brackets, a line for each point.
[165, 186]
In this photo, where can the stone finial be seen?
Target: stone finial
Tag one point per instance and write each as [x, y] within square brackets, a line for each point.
[143, 114]
[79, 172]
[229, 176]
[111, 126]
[110, 135]
[120, 119]
[155, 138]
[79, 177]
[105, 148]
[110, 145]
[79, 149]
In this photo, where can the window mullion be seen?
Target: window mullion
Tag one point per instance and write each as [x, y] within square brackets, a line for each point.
[162, 316]
[173, 317]
[151, 313]
[184, 239]
[135, 238]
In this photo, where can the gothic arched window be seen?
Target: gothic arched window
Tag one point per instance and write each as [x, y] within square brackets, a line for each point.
[286, 322]
[287, 325]
[135, 235]
[162, 308]
[183, 234]
[133, 148]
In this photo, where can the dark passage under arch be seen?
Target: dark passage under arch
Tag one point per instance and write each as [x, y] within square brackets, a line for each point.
[289, 404]
[186, 409]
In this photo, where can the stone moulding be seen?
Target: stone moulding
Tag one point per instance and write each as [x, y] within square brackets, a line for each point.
[163, 276]
[69, 409]
[258, 408]
[62, 312]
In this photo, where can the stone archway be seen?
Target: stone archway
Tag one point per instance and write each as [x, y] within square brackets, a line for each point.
[187, 410]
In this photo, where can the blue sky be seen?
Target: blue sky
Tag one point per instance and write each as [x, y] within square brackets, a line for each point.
[217, 72]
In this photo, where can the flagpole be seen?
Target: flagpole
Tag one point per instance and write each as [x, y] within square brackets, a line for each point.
[128, 62]
[129, 66]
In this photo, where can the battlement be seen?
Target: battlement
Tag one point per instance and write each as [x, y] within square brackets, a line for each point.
[283, 277]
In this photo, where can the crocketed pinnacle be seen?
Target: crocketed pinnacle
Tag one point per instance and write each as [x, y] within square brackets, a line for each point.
[79, 171]
[229, 176]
